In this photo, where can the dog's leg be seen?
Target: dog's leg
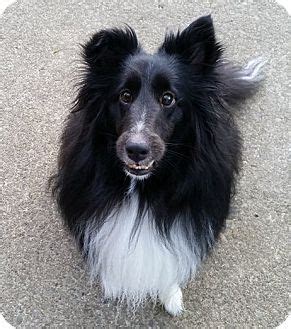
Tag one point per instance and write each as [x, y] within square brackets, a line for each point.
[172, 300]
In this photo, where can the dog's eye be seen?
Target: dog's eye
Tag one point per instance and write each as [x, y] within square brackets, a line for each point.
[125, 97]
[167, 99]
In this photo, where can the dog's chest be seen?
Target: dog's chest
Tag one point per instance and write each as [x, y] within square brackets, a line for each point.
[133, 264]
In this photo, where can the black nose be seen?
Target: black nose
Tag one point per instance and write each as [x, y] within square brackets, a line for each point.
[137, 151]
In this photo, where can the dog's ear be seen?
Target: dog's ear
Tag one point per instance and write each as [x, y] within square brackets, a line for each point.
[196, 44]
[108, 48]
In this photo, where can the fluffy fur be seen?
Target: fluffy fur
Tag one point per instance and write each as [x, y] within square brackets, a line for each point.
[146, 234]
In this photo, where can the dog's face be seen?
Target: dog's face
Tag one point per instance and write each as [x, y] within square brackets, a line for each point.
[145, 93]
[145, 111]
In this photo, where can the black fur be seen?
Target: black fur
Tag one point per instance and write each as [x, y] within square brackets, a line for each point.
[194, 181]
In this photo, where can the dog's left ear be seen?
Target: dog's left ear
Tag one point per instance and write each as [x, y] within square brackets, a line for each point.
[195, 45]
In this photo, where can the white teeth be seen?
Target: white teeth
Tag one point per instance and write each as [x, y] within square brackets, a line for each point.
[140, 167]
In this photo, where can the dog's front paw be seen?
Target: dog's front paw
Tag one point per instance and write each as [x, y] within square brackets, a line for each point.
[173, 301]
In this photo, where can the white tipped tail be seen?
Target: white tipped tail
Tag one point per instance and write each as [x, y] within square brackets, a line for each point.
[253, 71]
[237, 82]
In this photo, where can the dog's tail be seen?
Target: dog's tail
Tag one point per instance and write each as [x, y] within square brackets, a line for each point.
[237, 83]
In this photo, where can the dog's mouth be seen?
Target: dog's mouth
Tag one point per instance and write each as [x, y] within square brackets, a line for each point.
[139, 170]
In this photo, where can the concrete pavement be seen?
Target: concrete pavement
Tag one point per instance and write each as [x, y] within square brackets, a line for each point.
[43, 279]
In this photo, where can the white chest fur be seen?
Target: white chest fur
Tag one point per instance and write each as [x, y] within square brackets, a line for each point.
[133, 267]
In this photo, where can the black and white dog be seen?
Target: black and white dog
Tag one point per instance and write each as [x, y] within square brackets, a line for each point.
[149, 157]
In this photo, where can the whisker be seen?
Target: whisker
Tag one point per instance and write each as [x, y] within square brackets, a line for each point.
[107, 134]
[178, 144]
[183, 156]
[167, 161]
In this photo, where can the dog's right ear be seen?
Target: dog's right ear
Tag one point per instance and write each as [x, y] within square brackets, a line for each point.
[108, 48]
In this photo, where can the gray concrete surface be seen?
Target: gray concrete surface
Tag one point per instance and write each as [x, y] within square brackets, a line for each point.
[43, 278]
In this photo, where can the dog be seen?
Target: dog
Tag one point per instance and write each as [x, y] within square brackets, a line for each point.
[149, 157]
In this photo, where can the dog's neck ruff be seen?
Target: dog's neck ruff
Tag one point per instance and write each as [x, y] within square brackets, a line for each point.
[133, 261]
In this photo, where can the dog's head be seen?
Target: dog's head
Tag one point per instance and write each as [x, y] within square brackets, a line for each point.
[144, 97]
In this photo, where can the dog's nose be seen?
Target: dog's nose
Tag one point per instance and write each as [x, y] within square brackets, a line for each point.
[137, 151]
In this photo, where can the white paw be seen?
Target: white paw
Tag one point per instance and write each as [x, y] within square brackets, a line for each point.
[173, 301]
